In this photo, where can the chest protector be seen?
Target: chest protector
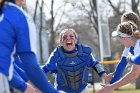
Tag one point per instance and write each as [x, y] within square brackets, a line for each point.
[72, 76]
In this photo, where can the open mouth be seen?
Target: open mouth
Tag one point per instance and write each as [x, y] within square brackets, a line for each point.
[69, 44]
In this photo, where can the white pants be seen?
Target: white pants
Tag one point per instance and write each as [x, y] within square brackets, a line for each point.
[85, 90]
[4, 86]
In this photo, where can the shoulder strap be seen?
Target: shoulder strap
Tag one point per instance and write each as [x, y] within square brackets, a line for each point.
[61, 53]
[83, 49]
[80, 51]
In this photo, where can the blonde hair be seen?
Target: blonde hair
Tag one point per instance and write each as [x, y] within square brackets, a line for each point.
[65, 30]
[129, 28]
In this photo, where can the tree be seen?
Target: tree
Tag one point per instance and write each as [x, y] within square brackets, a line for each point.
[88, 14]
[40, 31]
[35, 10]
[52, 39]
[135, 5]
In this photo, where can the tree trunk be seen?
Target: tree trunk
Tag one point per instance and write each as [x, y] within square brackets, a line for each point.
[135, 4]
[35, 10]
[40, 33]
[52, 38]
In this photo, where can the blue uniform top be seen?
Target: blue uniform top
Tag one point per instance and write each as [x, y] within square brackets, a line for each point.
[17, 31]
[136, 58]
[17, 82]
[72, 68]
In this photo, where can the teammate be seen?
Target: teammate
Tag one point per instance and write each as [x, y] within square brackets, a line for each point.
[128, 34]
[16, 30]
[128, 16]
[19, 80]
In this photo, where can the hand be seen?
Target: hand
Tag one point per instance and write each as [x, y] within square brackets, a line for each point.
[36, 89]
[31, 89]
[128, 58]
[107, 77]
[105, 89]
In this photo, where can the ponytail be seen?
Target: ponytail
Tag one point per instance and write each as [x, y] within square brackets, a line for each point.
[1, 5]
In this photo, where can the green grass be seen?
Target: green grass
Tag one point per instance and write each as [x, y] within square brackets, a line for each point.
[125, 89]
[122, 91]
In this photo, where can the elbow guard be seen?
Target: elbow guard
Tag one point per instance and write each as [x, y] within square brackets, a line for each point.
[99, 69]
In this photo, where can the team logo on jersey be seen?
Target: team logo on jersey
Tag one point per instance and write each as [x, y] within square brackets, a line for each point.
[73, 63]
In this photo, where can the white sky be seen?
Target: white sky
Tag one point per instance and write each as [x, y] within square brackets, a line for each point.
[58, 3]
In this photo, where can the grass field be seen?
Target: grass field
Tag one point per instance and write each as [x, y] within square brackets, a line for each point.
[123, 91]
[130, 88]
[127, 89]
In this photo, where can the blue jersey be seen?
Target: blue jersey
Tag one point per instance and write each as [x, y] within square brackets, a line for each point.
[18, 33]
[17, 82]
[123, 62]
[136, 58]
[21, 72]
[137, 47]
[71, 68]
[15, 31]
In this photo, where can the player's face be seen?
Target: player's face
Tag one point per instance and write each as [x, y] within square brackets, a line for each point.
[68, 41]
[20, 3]
[1, 1]
[126, 41]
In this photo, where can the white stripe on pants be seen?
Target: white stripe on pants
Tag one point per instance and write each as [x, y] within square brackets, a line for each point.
[4, 86]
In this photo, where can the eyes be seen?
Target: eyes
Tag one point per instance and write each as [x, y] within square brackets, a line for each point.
[65, 37]
[120, 37]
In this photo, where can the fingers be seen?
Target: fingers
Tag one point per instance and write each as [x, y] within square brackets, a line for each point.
[31, 89]
[37, 91]
[108, 78]
[128, 58]
[103, 85]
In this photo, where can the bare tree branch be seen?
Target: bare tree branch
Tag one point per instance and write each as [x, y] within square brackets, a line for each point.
[40, 32]
[36, 5]
[114, 8]
[135, 6]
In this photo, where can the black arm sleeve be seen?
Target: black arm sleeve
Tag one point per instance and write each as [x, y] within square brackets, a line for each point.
[99, 69]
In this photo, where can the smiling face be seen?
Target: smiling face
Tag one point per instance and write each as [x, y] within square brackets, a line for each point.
[68, 39]
[1, 1]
